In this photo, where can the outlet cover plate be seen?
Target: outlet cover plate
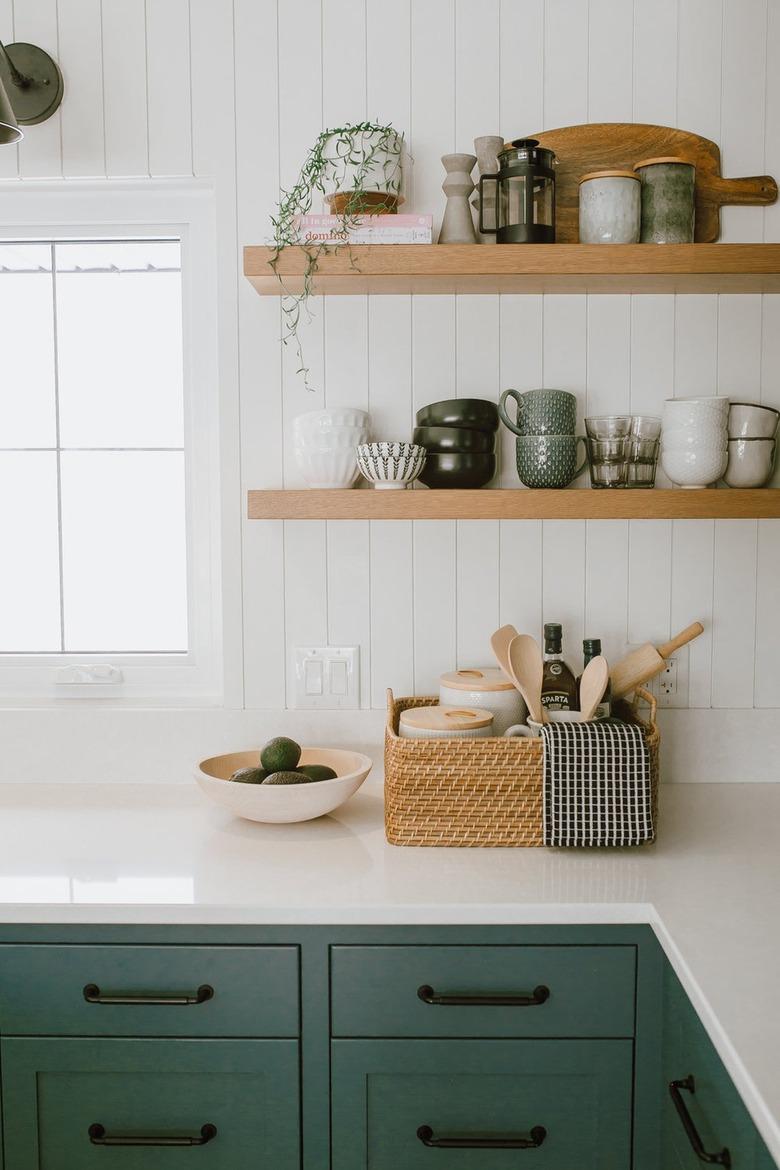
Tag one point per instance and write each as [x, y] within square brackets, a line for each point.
[327, 678]
[676, 693]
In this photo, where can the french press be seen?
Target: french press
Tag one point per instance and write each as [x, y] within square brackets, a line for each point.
[525, 195]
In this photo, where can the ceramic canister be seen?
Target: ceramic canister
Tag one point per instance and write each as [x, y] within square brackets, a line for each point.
[484, 687]
[610, 208]
[668, 200]
[460, 722]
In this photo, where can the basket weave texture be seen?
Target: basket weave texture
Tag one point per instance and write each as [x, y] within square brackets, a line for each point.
[484, 792]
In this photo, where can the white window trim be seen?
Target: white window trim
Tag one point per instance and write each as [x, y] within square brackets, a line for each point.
[126, 209]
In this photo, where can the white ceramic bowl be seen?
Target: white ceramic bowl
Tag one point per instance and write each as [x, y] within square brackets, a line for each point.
[695, 412]
[339, 439]
[333, 469]
[391, 465]
[696, 466]
[317, 422]
[283, 803]
[748, 420]
[750, 462]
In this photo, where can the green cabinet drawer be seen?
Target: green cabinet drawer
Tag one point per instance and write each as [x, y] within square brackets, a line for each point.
[389, 1098]
[589, 991]
[715, 1107]
[237, 991]
[84, 1104]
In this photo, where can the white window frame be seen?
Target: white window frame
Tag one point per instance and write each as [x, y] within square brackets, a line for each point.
[145, 209]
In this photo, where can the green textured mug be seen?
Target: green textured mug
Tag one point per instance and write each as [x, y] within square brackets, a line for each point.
[548, 461]
[541, 412]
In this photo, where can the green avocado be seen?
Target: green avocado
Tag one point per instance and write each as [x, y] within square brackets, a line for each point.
[280, 755]
[287, 778]
[316, 771]
[249, 776]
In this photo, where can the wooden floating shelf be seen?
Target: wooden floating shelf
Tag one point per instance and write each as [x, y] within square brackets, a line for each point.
[516, 504]
[521, 268]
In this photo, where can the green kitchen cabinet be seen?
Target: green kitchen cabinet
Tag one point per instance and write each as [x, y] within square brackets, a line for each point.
[148, 1104]
[422, 1103]
[698, 1091]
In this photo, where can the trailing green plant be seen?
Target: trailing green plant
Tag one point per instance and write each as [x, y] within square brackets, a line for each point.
[354, 159]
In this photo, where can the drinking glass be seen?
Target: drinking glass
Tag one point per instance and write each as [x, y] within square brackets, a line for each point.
[608, 462]
[642, 462]
[645, 426]
[608, 426]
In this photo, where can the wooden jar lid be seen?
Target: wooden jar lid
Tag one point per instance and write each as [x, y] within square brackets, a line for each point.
[610, 175]
[483, 678]
[446, 718]
[666, 158]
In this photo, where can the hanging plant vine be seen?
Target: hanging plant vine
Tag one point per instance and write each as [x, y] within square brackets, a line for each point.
[360, 161]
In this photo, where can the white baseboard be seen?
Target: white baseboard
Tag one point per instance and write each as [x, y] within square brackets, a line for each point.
[109, 745]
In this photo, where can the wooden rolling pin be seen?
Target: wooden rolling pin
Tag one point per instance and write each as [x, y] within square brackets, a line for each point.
[641, 665]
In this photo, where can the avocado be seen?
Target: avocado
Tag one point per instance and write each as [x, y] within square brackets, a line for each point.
[249, 776]
[317, 771]
[280, 755]
[287, 778]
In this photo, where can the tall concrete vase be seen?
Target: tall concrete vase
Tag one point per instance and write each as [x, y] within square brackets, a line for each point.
[457, 227]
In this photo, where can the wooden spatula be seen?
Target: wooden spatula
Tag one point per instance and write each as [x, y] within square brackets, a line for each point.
[500, 644]
[525, 659]
[593, 684]
[645, 663]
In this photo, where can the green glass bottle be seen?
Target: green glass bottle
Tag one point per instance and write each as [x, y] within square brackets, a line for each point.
[591, 648]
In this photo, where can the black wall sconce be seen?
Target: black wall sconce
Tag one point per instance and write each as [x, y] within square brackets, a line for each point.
[31, 88]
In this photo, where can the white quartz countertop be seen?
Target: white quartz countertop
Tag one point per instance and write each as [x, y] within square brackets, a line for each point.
[710, 887]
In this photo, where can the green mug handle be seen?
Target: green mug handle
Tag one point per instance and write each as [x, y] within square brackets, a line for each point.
[506, 420]
[584, 464]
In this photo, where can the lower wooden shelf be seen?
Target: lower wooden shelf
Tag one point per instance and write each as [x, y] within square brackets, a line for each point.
[516, 504]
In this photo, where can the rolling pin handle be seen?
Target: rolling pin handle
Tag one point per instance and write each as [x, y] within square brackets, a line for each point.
[687, 635]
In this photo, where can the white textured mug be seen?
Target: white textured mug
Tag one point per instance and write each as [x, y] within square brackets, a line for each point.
[531, 729]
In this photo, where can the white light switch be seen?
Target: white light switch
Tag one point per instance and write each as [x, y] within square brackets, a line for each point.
[327, 677]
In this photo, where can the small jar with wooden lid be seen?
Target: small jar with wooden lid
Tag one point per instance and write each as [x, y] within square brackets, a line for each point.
[610, 206]
[445, 723]
[487, 688]
[668, 200]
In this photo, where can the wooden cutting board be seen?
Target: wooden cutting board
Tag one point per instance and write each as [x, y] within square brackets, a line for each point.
[601, 146]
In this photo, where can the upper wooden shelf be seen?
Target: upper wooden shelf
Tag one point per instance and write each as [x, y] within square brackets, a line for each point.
[515, 504]
[522, 268]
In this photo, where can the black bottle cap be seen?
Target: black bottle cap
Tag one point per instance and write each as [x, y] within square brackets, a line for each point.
[553, 637]
[591, 647]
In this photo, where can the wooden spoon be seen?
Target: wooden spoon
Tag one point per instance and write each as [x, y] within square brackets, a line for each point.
[525, 658]
[593, 684]
[500, 645]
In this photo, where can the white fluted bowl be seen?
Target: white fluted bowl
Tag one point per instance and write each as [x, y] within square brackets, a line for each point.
[319, 423]
[332, 469]
[391, 465]
[282, 803]
[694, 466]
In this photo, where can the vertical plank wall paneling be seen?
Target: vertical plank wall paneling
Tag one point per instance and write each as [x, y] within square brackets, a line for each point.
[238, 90]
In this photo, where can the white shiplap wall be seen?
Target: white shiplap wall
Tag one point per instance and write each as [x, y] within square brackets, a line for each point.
[237, 89]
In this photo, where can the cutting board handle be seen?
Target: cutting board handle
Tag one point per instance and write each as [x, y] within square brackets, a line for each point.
[752, 190]
[685, 636]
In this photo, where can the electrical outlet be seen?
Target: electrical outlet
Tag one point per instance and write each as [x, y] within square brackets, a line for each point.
[327, 677]
[670, 687]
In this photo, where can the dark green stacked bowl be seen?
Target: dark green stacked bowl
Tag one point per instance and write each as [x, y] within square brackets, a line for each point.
[460, 438]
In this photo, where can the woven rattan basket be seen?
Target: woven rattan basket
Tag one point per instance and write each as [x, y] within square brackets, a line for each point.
[475, 792]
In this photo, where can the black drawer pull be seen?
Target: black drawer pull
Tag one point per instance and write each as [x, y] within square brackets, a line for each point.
[538, 996]
[99, 1137]
[532, 1142]
[93, 994]
[722, 1157]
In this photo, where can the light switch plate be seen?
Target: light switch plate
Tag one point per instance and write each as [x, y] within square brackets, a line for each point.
[327, 678]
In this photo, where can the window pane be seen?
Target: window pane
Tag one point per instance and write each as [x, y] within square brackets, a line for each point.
[124, 551]
[120, 350]
[27, 415]
[29, 580]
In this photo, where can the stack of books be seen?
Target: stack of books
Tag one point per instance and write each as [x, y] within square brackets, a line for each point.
[365, 229]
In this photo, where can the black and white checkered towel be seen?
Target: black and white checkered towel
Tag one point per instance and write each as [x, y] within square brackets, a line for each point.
[597, 788]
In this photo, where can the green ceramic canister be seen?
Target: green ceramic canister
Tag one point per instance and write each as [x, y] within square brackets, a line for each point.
[668, 200]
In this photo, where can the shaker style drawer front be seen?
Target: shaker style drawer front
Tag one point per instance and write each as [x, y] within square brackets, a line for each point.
[499, 991]
[151, 1104]
[148, 991]
[482, 1104]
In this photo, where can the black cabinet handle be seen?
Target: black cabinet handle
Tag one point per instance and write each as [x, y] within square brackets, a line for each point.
[538, 996]
[532, 1142]
[93, 994]
[722, 1157]
[99, 1137]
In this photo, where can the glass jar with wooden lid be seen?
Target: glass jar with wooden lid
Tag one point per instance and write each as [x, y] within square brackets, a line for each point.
[610, 207]
[485, 687]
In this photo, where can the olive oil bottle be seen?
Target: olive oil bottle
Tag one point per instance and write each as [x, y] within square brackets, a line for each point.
[591, 648]
[559, 686]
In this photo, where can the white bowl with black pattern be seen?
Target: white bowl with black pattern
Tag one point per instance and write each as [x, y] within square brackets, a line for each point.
[390, 465]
